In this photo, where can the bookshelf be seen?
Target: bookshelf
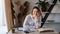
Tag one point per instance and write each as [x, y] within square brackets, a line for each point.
[54, 15]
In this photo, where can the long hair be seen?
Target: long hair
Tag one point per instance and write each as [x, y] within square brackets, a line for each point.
[39, 11]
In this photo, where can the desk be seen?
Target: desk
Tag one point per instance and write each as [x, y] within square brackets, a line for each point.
[35, 32]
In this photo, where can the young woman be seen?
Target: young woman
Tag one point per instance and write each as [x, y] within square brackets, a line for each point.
[33, 20]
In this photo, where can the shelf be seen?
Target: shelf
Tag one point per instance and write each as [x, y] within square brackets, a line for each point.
[50, 13]
[58, 3]
[55, 13]
[52, 22]
[45, 12]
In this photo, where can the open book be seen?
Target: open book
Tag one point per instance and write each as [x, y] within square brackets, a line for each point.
[42, 30]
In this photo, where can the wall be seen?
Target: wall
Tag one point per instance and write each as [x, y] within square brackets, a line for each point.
[8, 14]
[32, 3]
[1, 13]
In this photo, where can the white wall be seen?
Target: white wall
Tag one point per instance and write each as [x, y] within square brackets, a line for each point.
[0, 12]
[3, 23]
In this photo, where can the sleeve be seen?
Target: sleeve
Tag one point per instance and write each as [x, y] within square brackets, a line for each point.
[26, 21]
[38, 21]
[26, 24]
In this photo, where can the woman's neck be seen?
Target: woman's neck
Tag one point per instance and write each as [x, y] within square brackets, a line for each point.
[35, 16]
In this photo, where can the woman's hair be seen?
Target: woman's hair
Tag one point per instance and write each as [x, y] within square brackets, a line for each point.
[35, 7]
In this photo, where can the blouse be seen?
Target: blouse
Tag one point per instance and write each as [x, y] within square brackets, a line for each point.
[29, 23]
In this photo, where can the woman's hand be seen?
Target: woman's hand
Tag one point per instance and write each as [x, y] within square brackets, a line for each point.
[37, 26]
[36, 16]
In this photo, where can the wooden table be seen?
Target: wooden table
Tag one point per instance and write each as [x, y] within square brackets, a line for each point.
[35, 32]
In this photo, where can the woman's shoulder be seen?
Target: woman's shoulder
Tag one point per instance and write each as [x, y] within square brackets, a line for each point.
[28, 16]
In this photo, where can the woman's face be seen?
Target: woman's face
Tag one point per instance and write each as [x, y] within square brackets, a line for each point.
[35, 12]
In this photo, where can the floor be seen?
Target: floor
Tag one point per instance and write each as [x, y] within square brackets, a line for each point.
[3, 29]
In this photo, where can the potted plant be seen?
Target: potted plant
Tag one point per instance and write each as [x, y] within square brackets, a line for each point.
[43, 5]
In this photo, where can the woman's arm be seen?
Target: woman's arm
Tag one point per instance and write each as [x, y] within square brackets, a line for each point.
[38, 22]
[26, 24]
[26, 21]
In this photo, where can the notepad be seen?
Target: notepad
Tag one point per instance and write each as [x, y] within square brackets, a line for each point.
[20, 28]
